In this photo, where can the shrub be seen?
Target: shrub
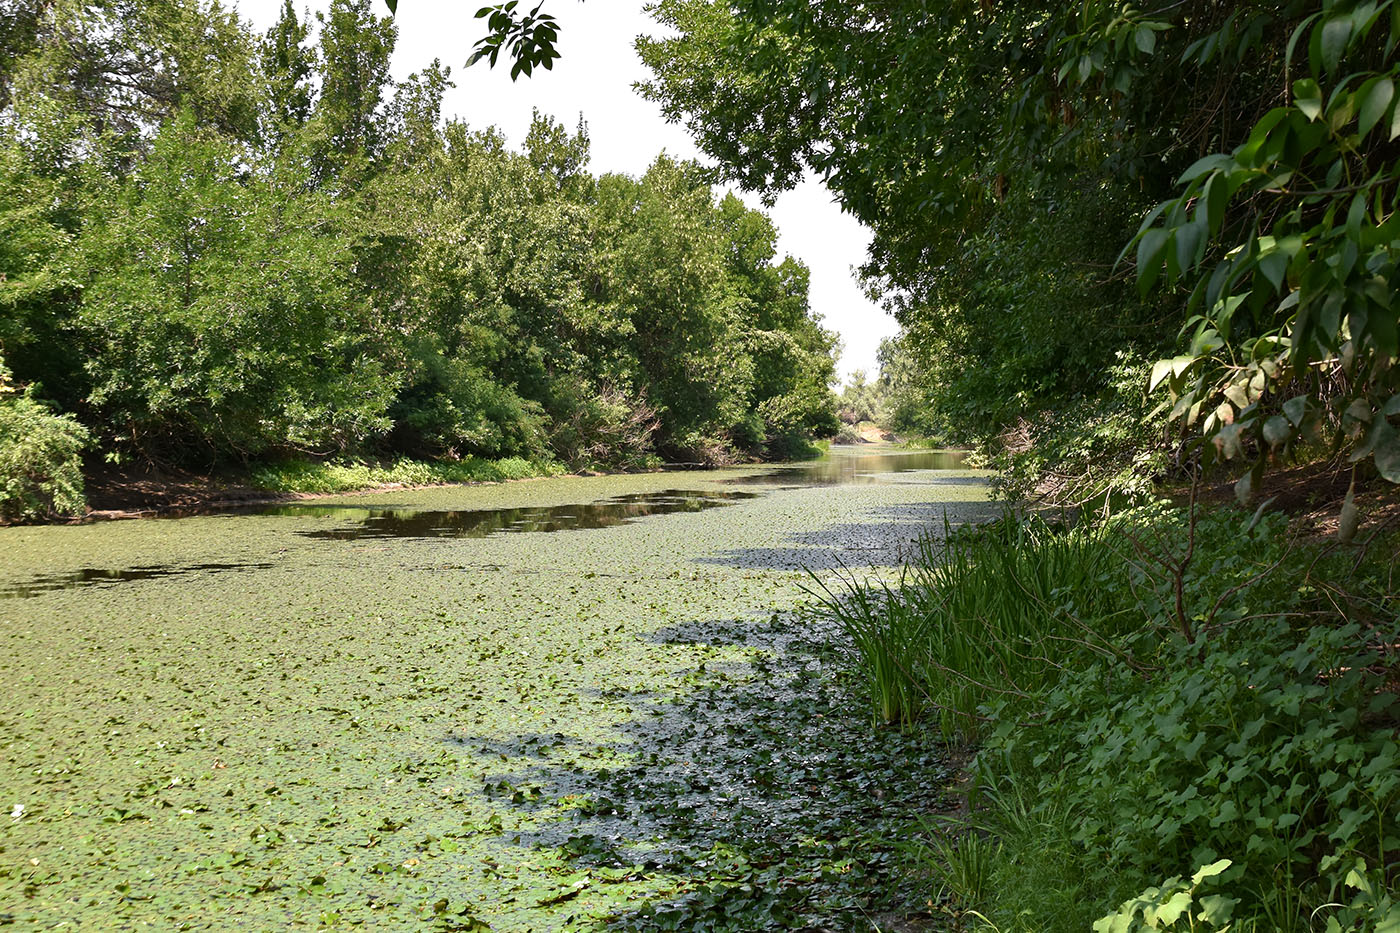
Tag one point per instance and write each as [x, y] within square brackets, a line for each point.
[456, 407]
[848, 435]
[350, 475]
[1266, 745]
[601, 427]
[1235, 709]
[1264, 732]
[41, 471]
[1102, 445]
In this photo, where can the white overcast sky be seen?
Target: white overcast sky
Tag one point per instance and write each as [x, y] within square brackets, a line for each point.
[595, 78]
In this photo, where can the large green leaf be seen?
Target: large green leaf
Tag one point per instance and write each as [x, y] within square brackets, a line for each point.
[1375, 96]
[1386, 451]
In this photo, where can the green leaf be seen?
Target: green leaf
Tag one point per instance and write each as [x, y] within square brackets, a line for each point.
[1336, 33]
[393, 6]
[1189, 240]
[1274, 266]
[1210, 163]
[1171, 911]
[1375, 96]
[1296, 409]
[1145, 39]
[1244, 487]
[1149, 257]
[1387, 451]
[1216, 198]
[1160, 371]
[1216, 910]
[1277, 431]
[1308, 97]
[1359, 410]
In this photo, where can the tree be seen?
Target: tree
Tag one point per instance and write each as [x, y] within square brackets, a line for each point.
[346, 272]
[218, 309]
[354, 57]
[288, 66]
[101, 77]
[974, 130]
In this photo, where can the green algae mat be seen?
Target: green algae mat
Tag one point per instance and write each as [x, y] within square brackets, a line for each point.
[570, 703]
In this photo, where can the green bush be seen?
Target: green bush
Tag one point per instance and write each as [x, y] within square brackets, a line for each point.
[1257, 724]
[848, 435]
[601, 427]
[457, 408]
[1103, 445]
[41, 471]
[1277, 742]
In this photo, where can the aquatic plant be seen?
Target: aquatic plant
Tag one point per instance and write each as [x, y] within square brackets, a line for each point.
[992, 614]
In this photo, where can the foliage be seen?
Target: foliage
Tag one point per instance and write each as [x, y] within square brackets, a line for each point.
[1176, 904]
[218, 308]
[351, 475]
[1243, 710]
[602, 428]
[1105, 449]
[1003, 153]
[983, 616]
[529, 39]
[1248, 754]
[1288, 244]
[1163, 907]
[223, 247]
[861, 400]
[994, 237]
[848, 435]
[910, 394]
[40, 457]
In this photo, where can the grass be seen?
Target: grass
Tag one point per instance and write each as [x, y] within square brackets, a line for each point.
[980, 618]
[351, 475]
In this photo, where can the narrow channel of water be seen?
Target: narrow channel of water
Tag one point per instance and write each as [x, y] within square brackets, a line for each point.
[850, 465]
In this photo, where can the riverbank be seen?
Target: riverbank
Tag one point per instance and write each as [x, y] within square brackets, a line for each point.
[141, 492]
[146, 491]
[1194, 707]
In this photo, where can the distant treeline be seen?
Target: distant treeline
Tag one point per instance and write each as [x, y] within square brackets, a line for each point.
[218, 245]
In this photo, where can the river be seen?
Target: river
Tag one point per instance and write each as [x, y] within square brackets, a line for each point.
[414, 709]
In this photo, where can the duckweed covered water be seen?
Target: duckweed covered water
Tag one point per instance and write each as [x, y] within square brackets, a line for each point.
[296, 728]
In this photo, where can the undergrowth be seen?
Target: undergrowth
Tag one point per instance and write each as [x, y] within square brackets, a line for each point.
[347, 476]
[981, 614]
[40, 457]
[1184, 722]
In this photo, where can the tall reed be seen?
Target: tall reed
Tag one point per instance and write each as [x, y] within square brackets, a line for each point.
[982, 615]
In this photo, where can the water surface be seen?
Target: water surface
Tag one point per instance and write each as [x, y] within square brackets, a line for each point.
[305, 717]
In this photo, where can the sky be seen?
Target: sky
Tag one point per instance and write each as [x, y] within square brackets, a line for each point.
[594, 79]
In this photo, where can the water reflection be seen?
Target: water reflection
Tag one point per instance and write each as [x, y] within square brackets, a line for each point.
[482, 523]
[843, 465]
[91, 576]
[846, 465]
